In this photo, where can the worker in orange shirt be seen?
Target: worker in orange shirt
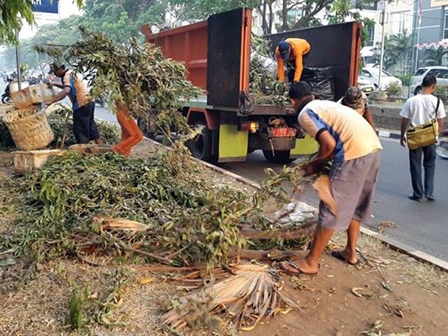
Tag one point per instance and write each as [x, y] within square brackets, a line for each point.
[291, 51]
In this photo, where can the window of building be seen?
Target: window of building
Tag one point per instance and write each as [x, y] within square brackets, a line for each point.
[399, 21]
[367, 5]
[371, 31]
[445, 30]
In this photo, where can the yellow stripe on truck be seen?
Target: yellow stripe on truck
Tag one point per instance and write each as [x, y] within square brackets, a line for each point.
[305, 146]
[232, 143]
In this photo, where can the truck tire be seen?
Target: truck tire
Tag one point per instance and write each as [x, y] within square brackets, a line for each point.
[201, 146]
[418, 90]
[279, 157]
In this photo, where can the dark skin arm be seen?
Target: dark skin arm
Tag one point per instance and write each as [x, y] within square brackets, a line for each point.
[404, 128]
[58, 85]
[327, 145]
[368, 117]
[61, 95]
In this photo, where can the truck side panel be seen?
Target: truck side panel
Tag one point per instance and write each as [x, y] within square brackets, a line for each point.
[187, 45]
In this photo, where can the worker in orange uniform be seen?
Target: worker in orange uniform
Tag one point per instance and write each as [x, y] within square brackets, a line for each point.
[291, 51]
[130, 132]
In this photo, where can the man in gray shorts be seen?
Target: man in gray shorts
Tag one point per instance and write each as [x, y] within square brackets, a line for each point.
[346, 138]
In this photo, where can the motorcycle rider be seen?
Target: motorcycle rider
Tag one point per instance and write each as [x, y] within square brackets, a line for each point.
[6, 96]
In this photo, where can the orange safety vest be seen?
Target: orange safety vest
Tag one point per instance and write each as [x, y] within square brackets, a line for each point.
[299, 47]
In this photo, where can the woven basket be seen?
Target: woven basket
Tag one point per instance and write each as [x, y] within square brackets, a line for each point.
[29, 129]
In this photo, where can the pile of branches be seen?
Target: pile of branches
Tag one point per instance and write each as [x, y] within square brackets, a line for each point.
[56, 119]
[134, 74]
[185, 219]
[265, 88]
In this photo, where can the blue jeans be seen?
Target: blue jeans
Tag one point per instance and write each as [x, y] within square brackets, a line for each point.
[429, 164]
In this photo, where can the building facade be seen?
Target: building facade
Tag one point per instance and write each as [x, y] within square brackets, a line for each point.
[432, 30]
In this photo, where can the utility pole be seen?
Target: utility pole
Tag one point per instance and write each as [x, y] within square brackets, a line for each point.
[19, 74]
[383, 21]
[414, 54]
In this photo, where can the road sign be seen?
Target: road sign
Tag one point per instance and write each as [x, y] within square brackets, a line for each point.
[45, 6]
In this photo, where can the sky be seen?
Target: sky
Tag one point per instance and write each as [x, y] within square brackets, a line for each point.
[66, 9]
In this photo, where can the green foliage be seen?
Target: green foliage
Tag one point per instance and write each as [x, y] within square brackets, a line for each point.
[162, 192]
[442, 93]
[435, 56]
[11, 14]
[109, 133]
[134, 74]
[394, 90]
[65, 32]
[340, 10]
[75, 316]
[84, 310]
[405, 79]
[190, 219]
[397, 48]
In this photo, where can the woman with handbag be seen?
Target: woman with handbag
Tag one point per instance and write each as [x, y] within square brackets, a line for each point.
[423, 115]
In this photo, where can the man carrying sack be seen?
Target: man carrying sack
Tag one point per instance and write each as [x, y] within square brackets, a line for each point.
[425, 114]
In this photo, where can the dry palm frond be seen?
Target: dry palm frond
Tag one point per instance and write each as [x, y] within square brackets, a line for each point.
[251, 294]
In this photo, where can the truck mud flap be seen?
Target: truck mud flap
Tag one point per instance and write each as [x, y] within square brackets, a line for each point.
[304, 146]
[233, 144]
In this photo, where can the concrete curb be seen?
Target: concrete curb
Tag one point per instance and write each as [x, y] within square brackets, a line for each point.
[390, 242]
[386, 134]
[405, 248]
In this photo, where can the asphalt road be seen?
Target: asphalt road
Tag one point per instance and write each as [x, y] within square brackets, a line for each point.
[421, 225]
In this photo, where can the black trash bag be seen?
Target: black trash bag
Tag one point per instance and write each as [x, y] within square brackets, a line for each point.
[321, 82]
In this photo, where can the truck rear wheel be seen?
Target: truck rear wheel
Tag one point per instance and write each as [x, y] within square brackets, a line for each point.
[277, 156]
[201, 145]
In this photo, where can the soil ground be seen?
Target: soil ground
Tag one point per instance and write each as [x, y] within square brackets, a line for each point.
[391, 294]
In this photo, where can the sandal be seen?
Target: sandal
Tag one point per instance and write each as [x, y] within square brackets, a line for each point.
[360, 258]
[299, 270]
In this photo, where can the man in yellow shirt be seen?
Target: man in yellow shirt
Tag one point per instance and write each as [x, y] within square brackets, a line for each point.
[291, 51]
[348, 140]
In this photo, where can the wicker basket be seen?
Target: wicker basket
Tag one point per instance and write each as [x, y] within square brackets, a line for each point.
[29, 129]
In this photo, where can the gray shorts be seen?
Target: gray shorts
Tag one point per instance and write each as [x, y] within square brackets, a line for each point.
[352, 186]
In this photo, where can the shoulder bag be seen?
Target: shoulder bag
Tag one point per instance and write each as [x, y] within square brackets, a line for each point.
[425, 134]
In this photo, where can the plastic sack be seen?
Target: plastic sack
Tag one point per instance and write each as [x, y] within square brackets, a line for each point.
[321, 82]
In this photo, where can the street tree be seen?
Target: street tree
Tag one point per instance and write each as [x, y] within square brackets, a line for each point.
[435, 56]
[397, 50]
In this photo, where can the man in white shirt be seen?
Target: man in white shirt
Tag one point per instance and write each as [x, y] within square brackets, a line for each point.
[417, 111]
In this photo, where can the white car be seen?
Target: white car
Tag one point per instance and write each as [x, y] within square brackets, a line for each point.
[440, 72]
[372, 75]
[365, 85]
